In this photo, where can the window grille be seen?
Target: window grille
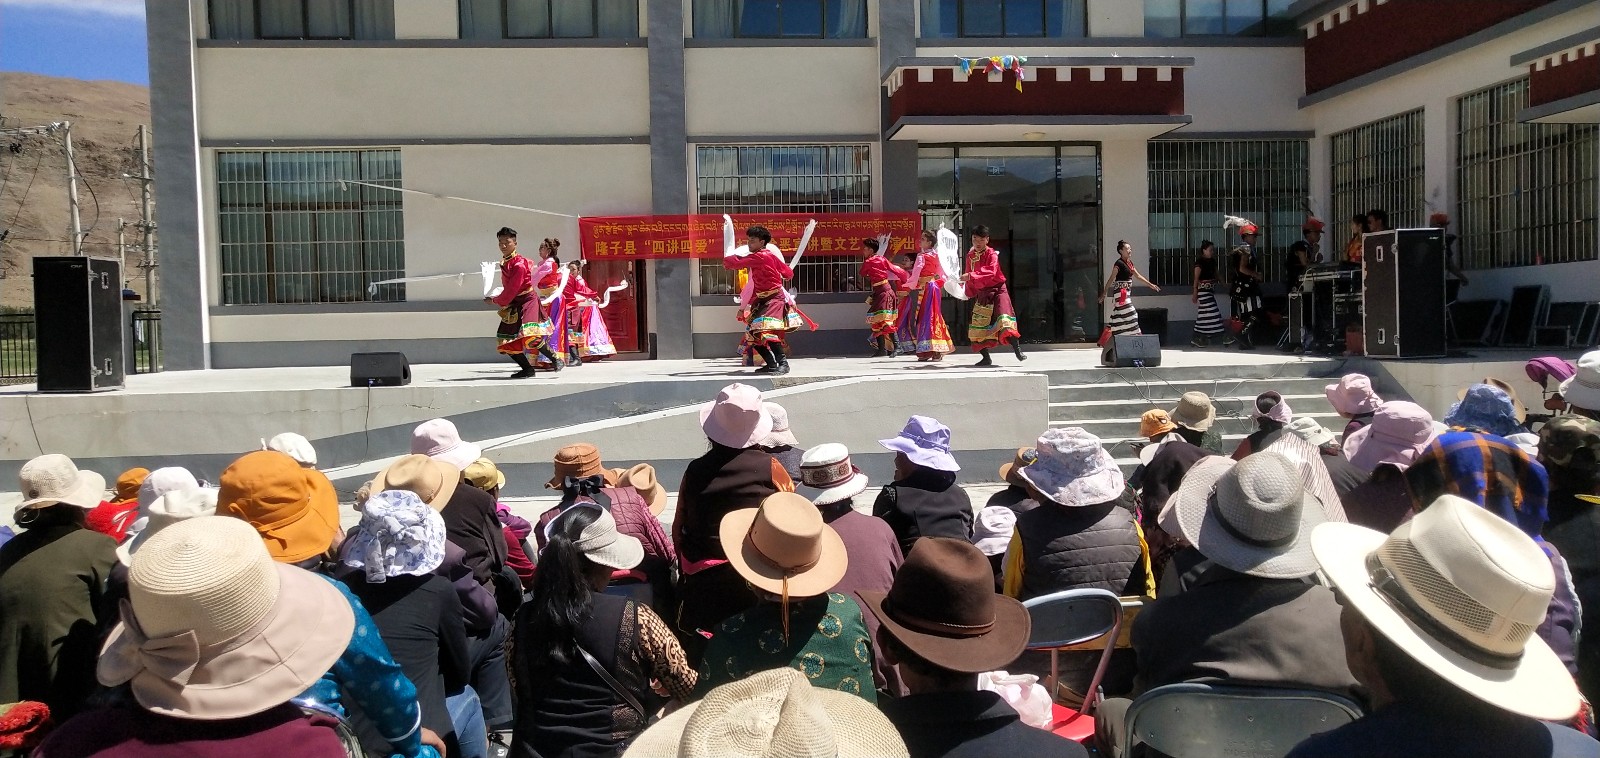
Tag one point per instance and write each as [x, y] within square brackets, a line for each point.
[1004, 18]
[545, 19]
[1377, 165]
[302, 19]
[769, 19]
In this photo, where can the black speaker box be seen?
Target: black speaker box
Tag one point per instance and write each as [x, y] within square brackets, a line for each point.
[1402, 289]
[77, 306]
[379, 370]
[1154, 321]
[1127, 350]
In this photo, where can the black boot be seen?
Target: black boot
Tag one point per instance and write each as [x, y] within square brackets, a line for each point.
[527, 371]
[783, 362]
[771, 365]
[555, 363]
[1016, 347]
[1245, 343]
[987, 361]
[572, 357]
[878, 350]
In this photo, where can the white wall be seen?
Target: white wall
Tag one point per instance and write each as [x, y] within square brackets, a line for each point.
[1116, 18]
[426, 19]
[779, 91]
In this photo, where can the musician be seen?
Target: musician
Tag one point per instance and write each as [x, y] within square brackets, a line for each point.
[1246, 291]
[1311, 232]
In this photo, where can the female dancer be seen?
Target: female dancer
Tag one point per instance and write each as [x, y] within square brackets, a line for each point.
[884, 279]
[922, 329]
[1124, 317]
[994, 321]
[1208, 317]
[551, 280]
[524, 328]
[1245, 295]
[591, 340]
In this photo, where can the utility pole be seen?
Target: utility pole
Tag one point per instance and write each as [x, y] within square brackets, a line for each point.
[72, 189]
[147, 225]
[122, 243]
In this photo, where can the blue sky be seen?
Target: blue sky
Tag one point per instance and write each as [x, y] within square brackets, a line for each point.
[82, 39]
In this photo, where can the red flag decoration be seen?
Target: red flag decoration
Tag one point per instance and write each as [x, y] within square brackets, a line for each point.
[700, 235]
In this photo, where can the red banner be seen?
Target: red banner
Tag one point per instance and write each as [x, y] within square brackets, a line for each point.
[700, 235]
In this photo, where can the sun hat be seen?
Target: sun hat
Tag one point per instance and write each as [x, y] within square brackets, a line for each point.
[1194, 411]
[1541, 370]
[601, 542]
[772, 714]
[993, 528]
[1254, 516]
[295, 446]
[827, 467]
[1311, 224]
[399, 535]
[926, 442]
[128, 482]
[1278, 410]
[1307, 428]
[1516, 402]
[1397, 435]
[1583, 388]
[295, 509]
[214, 629]
[164, 480]
[1484, 408]
[484, 475]
[579, 461]
[737, 418]
[943, 607]
[54, 479]
[1569, 448]
[1461, 591]
[1025, 458]
[439, 440]
[642, 478]
[1155, 422]
[1352, 395]
[780, 434]
[783, 547]
[1527, 441]
[1074, 469]
[433, 480]
[169, 509]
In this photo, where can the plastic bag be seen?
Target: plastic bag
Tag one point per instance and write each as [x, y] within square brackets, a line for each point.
[1024, 693]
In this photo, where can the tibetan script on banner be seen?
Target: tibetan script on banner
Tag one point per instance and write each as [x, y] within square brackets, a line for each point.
[700, 235]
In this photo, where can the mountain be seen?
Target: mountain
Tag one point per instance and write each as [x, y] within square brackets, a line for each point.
[105, 120]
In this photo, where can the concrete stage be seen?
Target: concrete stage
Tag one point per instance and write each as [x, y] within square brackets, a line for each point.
[646, 410]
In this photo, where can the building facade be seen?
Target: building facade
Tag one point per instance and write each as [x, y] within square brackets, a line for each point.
[309, 148]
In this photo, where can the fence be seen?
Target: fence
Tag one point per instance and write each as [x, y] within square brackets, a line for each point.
[19, 334]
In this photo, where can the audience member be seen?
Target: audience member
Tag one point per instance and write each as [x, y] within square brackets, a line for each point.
[581, 476]
[295, 446]
[780, 442]
[158, 483]
[1438, 621]
[1195, 416]
[924, 499]
[1174, 457]
[114, 517]
[214, 641]
[1581, 393]
[1156, 427]
[1341, 472]
[1542, 371]
[1354, 399]
[1569, 449]
[1015, 496]
[1485, 408]
[1314, 476]
[941, 625]
[992, 533]
[791, 559]
[1271, 414]
[1396, 436]
[484, 475]
[641, 478]
[172, 508]
[440, 440]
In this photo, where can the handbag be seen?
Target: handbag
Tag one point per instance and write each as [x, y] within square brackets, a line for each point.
[508, 315]
[982, 315]
[1105, 336]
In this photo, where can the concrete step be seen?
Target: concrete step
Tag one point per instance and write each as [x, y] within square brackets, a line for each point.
[1223, 370]
[1116, 432]
[1171, 390]
[1133, 406]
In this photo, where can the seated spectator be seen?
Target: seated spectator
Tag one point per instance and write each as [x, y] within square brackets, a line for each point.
[1438, 622]
[1398, 433]
[581, 476]
[1169, 462]
[174, 507]
[771, 714]
[1569, 449]
[1156, 426]
[52, 578]
[1582, 392]
[1353, 398]
[295, 446]
[942, 627]
[1344, 476]
[484, 475]
[1313, 472]
[1250, 614]
[873, 551]
[1545, 369]
[992, 533]
[790, 559]
[440, 440]
[159, 482]
[214, 641]
[588, 662]
[924, 499]
[642, 480]
[114, 517]
[780, 442]
[389, 561]
[1015, 496]
[1271, 414]
[1195, 416]
[1485, 408]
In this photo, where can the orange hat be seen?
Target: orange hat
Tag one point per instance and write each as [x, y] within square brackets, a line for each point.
[294, 509]
[579, 461]
[1247, 229]
[1312, 224]
[128, 485]
[1155, 422]
[1439, 219]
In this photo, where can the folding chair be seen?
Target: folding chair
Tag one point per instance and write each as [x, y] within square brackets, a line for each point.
[1067, 618]
[1195, 720]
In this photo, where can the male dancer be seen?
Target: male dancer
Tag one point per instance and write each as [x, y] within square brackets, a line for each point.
[524, 327]
[767, 321]
[885, 280]
[994, 321]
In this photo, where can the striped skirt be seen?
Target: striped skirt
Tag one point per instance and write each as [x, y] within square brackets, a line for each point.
[1124, 317]
[1208, 317]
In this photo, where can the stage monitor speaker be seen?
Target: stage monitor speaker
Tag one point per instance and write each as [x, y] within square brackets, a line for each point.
[1126, 350]
[1402, 287]
[379, 370]
[77, 306]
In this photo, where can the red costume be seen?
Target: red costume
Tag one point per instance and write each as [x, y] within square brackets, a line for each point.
[768, 319]
[884, 279]
[523, 326]
[994, 321]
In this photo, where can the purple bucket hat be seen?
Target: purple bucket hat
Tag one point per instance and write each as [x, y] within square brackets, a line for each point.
[926, 442]
[1485, 408]
[1397, 435]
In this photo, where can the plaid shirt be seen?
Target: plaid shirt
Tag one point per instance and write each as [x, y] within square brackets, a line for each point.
[1485, 469]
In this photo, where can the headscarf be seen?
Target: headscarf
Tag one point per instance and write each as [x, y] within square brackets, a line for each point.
[399, 535]
[1485, 469]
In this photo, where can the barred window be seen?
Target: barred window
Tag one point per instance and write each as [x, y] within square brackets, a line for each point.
[784, 179]
[1378, 165]
[1213, 18]
[302, 19]
[292, 228]
[1004, 18]
[1194, 183]
[544, 19]
[1527, 192]
[815, 19]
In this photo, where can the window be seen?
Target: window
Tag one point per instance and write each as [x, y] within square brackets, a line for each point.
[1527, 191]
[1194, 183]
[1216, 18]
[1004, 18]
[292, 230]
[1378, 165]
[544, 19]
[784, 179]
[814, 19]
[302, 19]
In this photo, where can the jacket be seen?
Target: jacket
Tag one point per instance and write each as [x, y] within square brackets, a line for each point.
[52, 583]
[131, 732]
[1061, 548]
[1165, 472]
[971, 725]
[928, 503]
[1454, 725]
[723, 480]
[471, 523]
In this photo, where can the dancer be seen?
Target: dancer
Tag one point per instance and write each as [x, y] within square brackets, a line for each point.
[994, 321]
[551, 281]
[591, 340]
[1246, 291]
[768, 316]
[1208, 317]
[1124, 317]
[575, 291]
[922, 329]
[885, 279]
[524, 329]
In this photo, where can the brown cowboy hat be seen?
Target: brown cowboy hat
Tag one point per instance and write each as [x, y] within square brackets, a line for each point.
[783, 547]
[642, 478]
[943, 607]
[1025, 457]
[579, 461]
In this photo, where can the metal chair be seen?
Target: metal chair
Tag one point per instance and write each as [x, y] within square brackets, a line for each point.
[1073, 617]
[1195, 720]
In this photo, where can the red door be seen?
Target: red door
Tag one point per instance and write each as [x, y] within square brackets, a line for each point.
[622, 315]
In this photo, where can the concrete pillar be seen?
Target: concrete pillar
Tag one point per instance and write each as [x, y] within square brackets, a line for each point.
[897, 38]
[669, 174]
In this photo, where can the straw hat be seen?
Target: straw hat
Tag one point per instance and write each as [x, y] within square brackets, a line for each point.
[1583, 389]
[1307, 428]
[642, 478]
[1397, 435]
[127, 489]
[827, 467]
[1074, 469]
[1155, 422]
[1352, 395]
[214, 629]
[54, 479]
[1194, 411]
[169, 509]
[737, 418]
[943, 607]
[295, 510]
[484, 475]
[1461, 591]
[433, 480]
[439, 440]
[1025, 458]
[772, 714]
[780, 434]
[579, 461]
[295, 446]
[783, 547]
[926, 442]
[1254, 516]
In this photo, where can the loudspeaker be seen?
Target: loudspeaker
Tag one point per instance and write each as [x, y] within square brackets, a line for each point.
[379, 370]
[1154, 321]
[1127, 350]
[1402, 289]
[77, 307]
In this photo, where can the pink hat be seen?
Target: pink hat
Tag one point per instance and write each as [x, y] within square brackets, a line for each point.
[1353, 395]
[736, 418]
[1397, 435]
[439, 440]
